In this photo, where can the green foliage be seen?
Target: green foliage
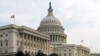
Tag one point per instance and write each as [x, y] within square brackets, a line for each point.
[40, 54]
[53, 54]
[27, 54]
[19, 53]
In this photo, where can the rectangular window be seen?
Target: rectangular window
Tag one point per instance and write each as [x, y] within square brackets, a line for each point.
[0, 51]
[1, 35]
[17, 43]
[1, 43]
[69, 54]
[6, 41]
[6, 35]
[64, 54]
[6, 51]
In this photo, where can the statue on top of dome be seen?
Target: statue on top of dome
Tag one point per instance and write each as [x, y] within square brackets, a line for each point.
[50, 7]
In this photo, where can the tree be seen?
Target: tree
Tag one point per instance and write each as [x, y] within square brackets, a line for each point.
[40, 53]
[53, 54]
[27, 54]
[19, 53]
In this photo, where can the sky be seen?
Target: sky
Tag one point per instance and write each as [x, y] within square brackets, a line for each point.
[80, 18]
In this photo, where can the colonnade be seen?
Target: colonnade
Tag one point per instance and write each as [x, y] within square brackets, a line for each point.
[85, 53]
[57, 38]
[33, 43]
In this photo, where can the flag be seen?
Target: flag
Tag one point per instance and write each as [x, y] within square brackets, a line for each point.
[81, 41]
[13, 16]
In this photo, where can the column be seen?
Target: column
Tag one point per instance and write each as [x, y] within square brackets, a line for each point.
[43, 43]
[39, 43]
[29, 36]
[26, 40]
[47, 49]
[64, 39]
[23, 40]
[80, 52]
[57, 38]
[53, 38]
[36, 43]
[33, 42]
[60, 38]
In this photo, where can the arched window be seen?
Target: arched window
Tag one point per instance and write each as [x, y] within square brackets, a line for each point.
[25, 52]
[32, 54]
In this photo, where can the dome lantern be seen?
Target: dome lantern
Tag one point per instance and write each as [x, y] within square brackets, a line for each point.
[50, 10]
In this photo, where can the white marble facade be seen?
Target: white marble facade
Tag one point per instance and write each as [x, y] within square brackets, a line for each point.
[13, 38]
[71, 50]
[52, 26]
[49, 38]
[95, 54]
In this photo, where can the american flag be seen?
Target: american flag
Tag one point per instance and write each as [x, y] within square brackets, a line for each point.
[13, 16]
[81, 41]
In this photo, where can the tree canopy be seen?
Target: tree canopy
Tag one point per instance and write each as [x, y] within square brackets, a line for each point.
[40, 54]
[27, 54]
[53, 54]
[19, 53]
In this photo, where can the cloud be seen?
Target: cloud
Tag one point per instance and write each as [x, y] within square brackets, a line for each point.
[80, 18]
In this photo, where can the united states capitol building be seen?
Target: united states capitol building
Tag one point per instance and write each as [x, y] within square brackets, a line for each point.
[49, 38]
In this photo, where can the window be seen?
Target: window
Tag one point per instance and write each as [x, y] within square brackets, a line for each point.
[64, 50]
[59, 54]
[17, 42]
[3, 32]
[69, 49]
[64, 54]
[32, 53]
[6, 51]
[1, 43]
[21, 43]
[6, 34]
[0, 51]
[1, 35]
[69, 54]
[6, 41]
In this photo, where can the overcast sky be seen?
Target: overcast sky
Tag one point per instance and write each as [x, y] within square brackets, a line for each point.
[80, 18]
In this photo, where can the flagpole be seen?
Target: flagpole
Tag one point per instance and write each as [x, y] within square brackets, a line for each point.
[91, 49]
[13, 17]
[81, 42]
[14, 21]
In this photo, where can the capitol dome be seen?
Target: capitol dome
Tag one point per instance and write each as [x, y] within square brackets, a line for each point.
[51, 26]
[50, 20]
